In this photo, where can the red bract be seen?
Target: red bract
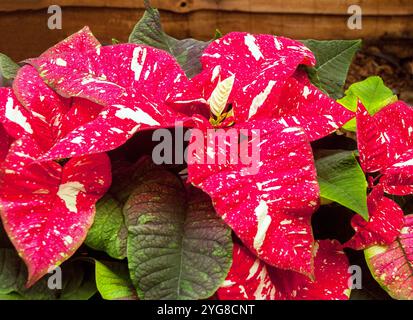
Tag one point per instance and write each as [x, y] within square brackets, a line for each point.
[251, 279]
[385, 142]
[244, 79]
[268, 202]
[140, 88]
[34, 110]
[5, 142]
[266, 84]
[385, 222]
[47, 209]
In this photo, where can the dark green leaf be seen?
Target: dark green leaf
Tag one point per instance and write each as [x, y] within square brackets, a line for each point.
[76, 283]
[8, 68]
[333, 61]
[108, 232]
[177, 246]
[187, 52]
[342, 180]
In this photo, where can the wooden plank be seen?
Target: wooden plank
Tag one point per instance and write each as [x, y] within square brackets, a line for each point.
[25, 34]
[370, 7]
[300, 26]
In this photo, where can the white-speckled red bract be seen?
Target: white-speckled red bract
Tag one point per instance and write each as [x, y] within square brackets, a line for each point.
[251, 279]
[47, 208]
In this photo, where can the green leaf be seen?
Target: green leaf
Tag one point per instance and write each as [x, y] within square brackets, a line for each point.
[77, 284]
[78, 281]
[334, 58]
[342, 180]
[108, 232]
[8, 68]
[187, 52]
[11, 296]
[11, 269]
[178, 248]
[372, 92]
[218, 34]
[113, 281]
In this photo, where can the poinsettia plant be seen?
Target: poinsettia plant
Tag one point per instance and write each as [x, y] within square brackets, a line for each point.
[82, 190]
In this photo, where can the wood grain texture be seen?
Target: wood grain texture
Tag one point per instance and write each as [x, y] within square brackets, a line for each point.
[24, 33]
[329, 7]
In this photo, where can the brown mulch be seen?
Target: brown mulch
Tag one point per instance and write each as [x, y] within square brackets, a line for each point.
[392, 60]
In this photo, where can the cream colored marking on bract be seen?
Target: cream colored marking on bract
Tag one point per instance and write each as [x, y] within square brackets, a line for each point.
[215, 72]
[76, 140]
[277, 43]
[260, 99]
[253, 47]
[258, 293]
[138, 60]
[60, 62]
[405, 163]
[227, 283]
[68, 192]
[285, 221]
[138, 115]
[117, 130]
[16, 116]
[306, 92]
[68, 240]
[264, 221]
[254, 268]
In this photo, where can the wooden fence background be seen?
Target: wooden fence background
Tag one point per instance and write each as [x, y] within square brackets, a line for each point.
[24, 32]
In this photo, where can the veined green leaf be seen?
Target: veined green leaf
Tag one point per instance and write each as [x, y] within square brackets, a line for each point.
[108, 232]
[8, 68]
[149, 31]
[372, 92]
[178, 248]
[76, 283]
[113, 282]
[342, 180]
[334, 58]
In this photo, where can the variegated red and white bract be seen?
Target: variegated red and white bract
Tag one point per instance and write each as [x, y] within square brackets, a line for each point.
[385, 142]
[47, 209]
[138, 87]
[252, 279]
[80, 99]
[265, 82]
[269, 202]
[384, 224]
[254, 83]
